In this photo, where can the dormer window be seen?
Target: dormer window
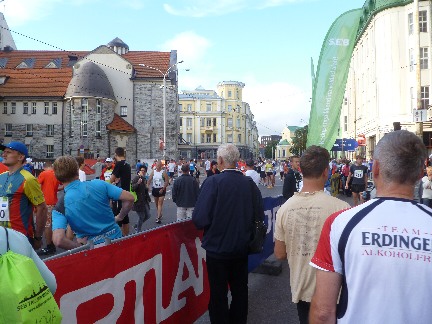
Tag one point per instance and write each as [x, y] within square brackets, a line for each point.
[3, 79]
[3, 61]
[26, 64]
[54, 64]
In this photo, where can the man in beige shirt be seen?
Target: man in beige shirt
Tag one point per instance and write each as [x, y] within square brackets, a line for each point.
[298, 226]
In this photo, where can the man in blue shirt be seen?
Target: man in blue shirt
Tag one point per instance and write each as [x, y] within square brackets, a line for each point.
[86, 207]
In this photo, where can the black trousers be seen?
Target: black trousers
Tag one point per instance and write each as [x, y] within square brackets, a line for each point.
[303, 311]
[221, 274]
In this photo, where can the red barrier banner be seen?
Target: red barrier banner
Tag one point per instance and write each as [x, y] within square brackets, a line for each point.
[159, 276]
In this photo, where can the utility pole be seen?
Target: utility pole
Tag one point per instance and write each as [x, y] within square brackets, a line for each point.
[419, 125]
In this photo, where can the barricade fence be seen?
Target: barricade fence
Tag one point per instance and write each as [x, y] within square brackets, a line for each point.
[156, 276]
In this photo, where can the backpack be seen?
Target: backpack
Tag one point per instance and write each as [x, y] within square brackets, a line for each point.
[24, 294]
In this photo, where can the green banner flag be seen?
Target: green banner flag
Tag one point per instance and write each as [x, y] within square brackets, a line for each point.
[330, 80]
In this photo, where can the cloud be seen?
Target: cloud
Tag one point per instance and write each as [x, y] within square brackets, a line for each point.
[203, 8]
[23, 11]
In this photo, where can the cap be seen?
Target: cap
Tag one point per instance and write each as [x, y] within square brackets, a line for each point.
[29, 160]
[250, 162]
[108, 160]
[16, 146]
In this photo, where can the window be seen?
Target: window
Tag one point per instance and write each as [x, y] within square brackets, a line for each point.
[239, 138]
[29, 129]
[46, 108]
[98, 123]
[208, 138]
[123, 111]
[54, 108]
[214, 122]
[189, 107]
[208, 107]
[8, 129]
[202, 120]
[230, 122]
[49, 130]
[425, 97]
[84, 117]
[423, 21]
[180, 107]
[411, 59]
[25, 108]
[229, 138]
[98, 128]
[98, 106]
[424, 58]
[181, 122]
[214, 138]
[33, 108]
[229, 108]
[238, 123]
[13, 108]
[345, 123]
[50, 151]
[410, 23]
[189, 138]
[5, 108]
[229, 94]
[209, 122]
[188, 122]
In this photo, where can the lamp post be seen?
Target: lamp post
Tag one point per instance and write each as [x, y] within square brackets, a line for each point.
[164, 75]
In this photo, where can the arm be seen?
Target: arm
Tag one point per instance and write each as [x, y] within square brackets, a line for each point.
[60, 240]
[127, 200]
[324, 300]
[280, 250]
[41, 218]
[150, 179]
[289, 186]
[174, 191]
[348, 180]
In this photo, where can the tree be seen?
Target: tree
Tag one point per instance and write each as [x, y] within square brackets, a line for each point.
[270, 149]
[299, 141]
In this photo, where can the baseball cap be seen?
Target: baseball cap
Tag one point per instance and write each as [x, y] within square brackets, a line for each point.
[16, 146]
[250, 162]
[108, 160]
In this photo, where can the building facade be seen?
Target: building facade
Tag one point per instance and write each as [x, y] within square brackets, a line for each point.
[284, 145]
[210, 118]
[89, 102]
[390, 73]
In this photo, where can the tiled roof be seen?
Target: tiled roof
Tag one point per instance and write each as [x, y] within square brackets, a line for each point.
[120, 125]
[41, 82]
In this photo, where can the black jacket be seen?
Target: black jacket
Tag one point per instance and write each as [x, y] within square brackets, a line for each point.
[185, 191]
[224, 210]
[291, 183]
[141, 191]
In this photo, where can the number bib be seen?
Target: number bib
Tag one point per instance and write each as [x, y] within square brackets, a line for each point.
[4, 209]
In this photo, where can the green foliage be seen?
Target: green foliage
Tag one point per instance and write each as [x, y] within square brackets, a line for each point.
[299, 141]
[270, 150]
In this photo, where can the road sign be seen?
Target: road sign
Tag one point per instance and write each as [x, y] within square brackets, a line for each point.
[348, 144]
[420, 115]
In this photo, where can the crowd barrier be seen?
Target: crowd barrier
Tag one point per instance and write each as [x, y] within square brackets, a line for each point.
[157, 276]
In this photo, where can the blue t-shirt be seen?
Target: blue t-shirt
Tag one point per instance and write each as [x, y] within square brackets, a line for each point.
[87, 210]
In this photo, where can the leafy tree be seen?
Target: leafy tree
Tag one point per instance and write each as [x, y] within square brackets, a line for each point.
[270, 149]
[299, 141]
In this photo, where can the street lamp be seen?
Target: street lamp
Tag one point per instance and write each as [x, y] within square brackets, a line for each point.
[164, 75]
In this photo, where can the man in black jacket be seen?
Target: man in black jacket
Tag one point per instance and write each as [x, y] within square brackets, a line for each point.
[185, 193]
[293, 179]
[225, 210]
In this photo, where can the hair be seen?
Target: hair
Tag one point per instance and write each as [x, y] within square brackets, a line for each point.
[401, 155]
[314, 161]
[294, 157]
[47, 164]
[142, 167]
[213, 163]
[229, 153]
[65, 168]
[80, 160]
[185, 168]
[119, 151]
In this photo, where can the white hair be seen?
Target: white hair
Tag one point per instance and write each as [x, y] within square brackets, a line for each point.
[229, 153]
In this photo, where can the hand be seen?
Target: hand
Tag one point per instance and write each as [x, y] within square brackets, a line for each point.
[82, 240]
[346, 186]
[118, 218]
[139, 181]
[161, 191]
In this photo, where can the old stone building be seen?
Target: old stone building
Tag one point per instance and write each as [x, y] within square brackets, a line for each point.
[89, 103]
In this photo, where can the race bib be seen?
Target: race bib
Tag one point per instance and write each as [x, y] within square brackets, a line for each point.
[157, 183]
[358, 174]
[4, 209]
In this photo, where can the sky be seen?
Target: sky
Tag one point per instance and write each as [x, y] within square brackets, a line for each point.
[266, 44]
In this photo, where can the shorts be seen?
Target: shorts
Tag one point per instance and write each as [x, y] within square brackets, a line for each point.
[356, 188]
[171, 174]
[156, 193]
[262, 174]
[123, 221]
[269, 174]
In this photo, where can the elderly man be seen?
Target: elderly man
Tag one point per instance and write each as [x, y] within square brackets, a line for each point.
[225, 209]
[298, 226]
[379, 252]
[85, 207]
[20, 192]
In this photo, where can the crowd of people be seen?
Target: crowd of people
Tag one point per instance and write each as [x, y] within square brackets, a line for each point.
[337, 255]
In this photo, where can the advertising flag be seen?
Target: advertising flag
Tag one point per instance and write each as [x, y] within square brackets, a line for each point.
[330, 80]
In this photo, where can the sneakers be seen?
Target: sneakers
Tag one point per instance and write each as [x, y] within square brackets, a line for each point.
[158, 220]
[50, 249]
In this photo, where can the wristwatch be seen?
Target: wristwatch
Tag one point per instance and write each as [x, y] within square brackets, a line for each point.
[37, 238]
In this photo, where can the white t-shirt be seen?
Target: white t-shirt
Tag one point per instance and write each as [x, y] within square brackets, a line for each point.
[158, 180]
[207, 165]
[171, 167]
[82, 176]
[383, 250]
[254, 175]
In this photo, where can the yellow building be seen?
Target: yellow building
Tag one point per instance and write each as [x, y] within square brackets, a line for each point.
[284, 145]
[210, 118]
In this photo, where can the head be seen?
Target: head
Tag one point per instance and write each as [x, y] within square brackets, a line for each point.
[250, 164]
[158, 165]
[48, 165]
[359, 159]
[314, 162]
[142, 170]
[66, 169]
[399, 158]
[14, 154]
[108, 162]
[429, 171]
[213, 165]
[185, 168]
[227, 156]
[80, 161]
[119, 152]
[295, 162]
